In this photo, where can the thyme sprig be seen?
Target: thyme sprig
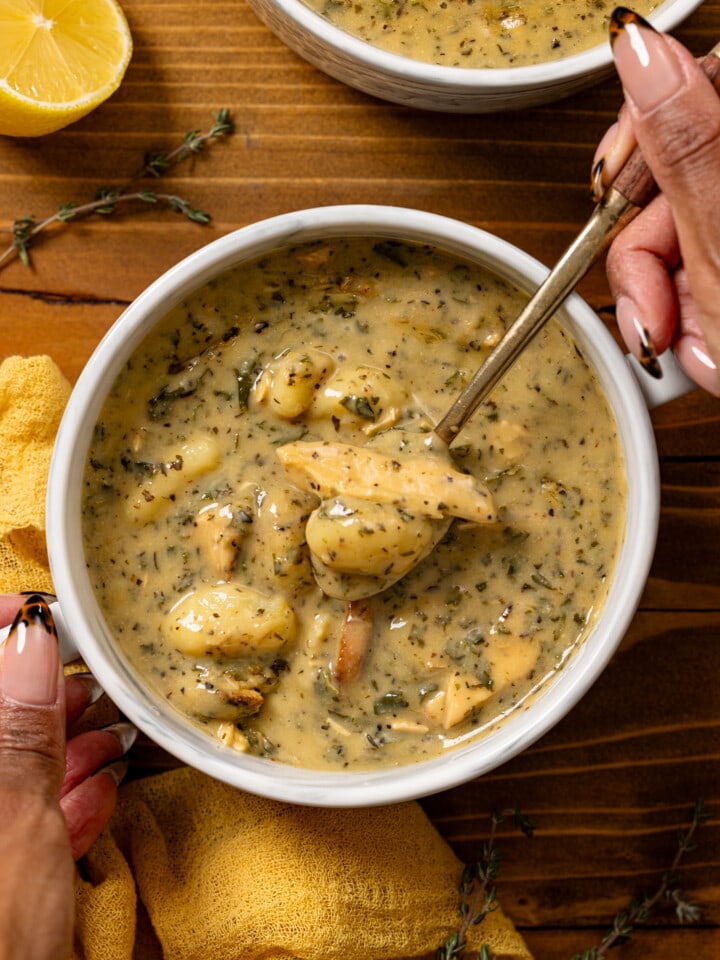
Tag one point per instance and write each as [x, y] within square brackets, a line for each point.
[26, 229]
[478, 894]
[478, 891]
[639, 911]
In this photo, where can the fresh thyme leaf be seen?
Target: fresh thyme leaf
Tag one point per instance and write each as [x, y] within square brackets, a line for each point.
[223, 123]
[193, 142]
[22, 230]
[156, 165]
[526, 824]
[66, 212]
[25, 229]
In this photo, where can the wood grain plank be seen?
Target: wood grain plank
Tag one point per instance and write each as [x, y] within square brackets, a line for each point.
[611, 784]
[657, 944]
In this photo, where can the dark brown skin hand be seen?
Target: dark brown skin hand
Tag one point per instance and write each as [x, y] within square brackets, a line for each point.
[664, 268]
[54, 796]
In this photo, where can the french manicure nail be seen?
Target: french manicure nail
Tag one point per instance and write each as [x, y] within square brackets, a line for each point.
[115, 770]
[637, 337]
[93, 688]
[597, 186]
[612, 153]
[648, 355]
[623, 17]
[599, 180]
[31, 661]
[648, 69]
[124, 732]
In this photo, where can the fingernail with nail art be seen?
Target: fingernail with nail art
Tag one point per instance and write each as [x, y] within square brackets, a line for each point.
[31, 660]
[47, 597]
[612, 153]
[648, 355]
[637, 336]
[648, 68]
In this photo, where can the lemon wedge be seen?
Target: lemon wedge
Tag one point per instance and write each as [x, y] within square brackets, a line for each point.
[59, 59]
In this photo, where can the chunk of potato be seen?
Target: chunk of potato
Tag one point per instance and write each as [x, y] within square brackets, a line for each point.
[229, 620]
[198, 455]
[461, 694]
[426, 485]
[229, 734]
[511, 658]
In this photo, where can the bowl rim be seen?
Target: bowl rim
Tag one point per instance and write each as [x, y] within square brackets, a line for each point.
[358, 788]
[491, 80]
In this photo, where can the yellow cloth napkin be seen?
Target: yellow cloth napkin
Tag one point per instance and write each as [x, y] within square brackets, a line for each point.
[33, 394]
[190, 868]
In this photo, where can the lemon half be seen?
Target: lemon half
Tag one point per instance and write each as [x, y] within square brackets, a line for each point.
[59, 59]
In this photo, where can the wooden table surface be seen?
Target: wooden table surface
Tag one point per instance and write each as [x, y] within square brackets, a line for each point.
[610, 786]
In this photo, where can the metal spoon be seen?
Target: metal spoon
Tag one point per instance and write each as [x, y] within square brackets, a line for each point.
[632, 189]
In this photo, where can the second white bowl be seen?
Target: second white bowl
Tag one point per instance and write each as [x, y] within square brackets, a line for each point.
[451, 89]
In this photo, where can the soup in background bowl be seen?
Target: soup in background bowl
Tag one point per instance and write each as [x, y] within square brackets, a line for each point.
[471, 35]
[458, 57]
[189, 528]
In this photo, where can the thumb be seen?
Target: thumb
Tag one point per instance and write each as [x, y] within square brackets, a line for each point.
[675, 113]
[32, 708]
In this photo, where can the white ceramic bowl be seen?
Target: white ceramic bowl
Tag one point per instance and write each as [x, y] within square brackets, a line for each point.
[167, 727]
[452, 89]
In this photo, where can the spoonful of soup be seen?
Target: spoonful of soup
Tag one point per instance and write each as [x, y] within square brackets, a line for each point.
[388, 495]
[358, 537]
[383, 506]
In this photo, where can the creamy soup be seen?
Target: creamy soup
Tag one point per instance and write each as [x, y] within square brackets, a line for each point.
[475, 33]
[266, 460]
